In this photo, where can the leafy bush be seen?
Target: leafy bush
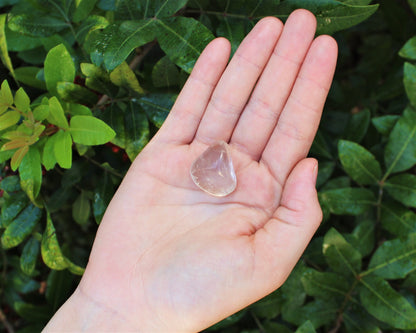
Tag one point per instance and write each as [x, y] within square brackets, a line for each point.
[86, 85]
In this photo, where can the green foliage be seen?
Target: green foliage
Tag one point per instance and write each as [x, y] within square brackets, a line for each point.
[90, 82]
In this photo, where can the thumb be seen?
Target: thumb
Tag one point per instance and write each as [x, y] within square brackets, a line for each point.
[284, 238]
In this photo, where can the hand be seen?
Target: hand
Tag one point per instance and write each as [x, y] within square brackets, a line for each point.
[170, 258]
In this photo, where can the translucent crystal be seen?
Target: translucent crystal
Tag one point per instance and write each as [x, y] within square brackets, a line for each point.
[213, 171]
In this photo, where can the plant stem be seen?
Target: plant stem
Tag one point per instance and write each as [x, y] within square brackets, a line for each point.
[6, 324]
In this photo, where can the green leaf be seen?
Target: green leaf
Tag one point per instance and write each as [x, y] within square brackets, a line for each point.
[82, 9]
[268, 307]
[98, 79]
[232, 29]
[163, 8]
[10, 184]
[4, 54]
[12, 207]
[357, 126]
[402, 188]
[136, 129]
[340, 255]
[182, 39]
[306, 327]
[6, 97]
[386, 304]
[41, 112]
[81, 209]
[30, 172]
[359, 163]
[320, 147]
[29, 76]
[400, 152]
[124, 39]
[102, 197]
[331, 15]
[37, 26]
[397, 219]
[325, 285]
[48, 153]
[412, 4]
[410, 82]
[18, 156]
[56, 114]
[74, 93]
[165, 73]
[29, 256]
[59, 287]
[394, 259]
[385, 124]
[363, 238]
[59, 67]
[21, 100]
[123, 76]
[408, 51]
[9, 119]
[90, 131]
[351, 201]
[324, 173]
[21, 227]
[63, 149]
[157, 106]
[50, 249]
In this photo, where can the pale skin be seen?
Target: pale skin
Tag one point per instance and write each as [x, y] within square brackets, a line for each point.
[169, 257]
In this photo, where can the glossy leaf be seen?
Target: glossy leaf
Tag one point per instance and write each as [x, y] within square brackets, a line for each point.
[62, 148]
[394, 259]
[98, 79]
[18, 156]
[386, 304]
[50, 249]
[385, 124]
[6, 97]
[56, 114]
[402, 188]
[74, 93]
[11, 207]
[340, 255]
[29, 256]
[30, 172]
[21, 100]
[408, 51]
[123, 76]
[351, 201]
[163, 8]
[37, 26]
[82, 9]
[102, 196]
[410, 82]
[17, 231]
[400, 152]
[48, 153]
[359, 163]
[10, 184]
[59, 67]
[397, 219]
[182, 39]
[157, 107]
[90, 131]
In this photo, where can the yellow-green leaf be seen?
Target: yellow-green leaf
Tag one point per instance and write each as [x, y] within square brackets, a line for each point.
[4, 54]
[56, 114]
[18, 157]
[90, 131]
[21, 100]
[6, 97]
[63, 149]
[8, 119]
[30, 172]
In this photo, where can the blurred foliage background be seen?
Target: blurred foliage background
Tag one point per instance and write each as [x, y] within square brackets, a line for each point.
[86, 84]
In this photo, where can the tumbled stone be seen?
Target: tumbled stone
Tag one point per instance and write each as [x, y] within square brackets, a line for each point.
[213, 170]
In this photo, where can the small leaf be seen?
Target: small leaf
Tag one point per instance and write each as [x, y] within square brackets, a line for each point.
[81, 209]
[10, 184]
[357, 126]
[306, 327]
[37, 26]
[8, 119]
[41, 112]
[74, 93]
[385, 124]
[82, 9]
[351, 201]
[363, 237]
[11, 207]
[165, 73]
[6, 97]
[21, 227]
[410, 82]
[63, 149]
[182, 39]
[56, 114]
[359, 163]
[394, 259]
[402, 188]
[90, 131]
[18, 157]
[386, 304]
[102, 197]
[123, 76]
[30, 172]
[21, 100]
[29, 256]
[29, 76]
[408, 51]
[340, 255]
[48, 153]
[157, 106]
[50, 249]
[98, 79]
[400, 152]
[59, 67]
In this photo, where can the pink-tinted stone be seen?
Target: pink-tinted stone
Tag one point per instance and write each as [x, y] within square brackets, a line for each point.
[213, 171]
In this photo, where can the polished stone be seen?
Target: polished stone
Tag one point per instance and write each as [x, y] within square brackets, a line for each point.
[213, 170]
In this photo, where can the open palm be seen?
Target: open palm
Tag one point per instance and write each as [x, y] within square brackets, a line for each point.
[168, 257]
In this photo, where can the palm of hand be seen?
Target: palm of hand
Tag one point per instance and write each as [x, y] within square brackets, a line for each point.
[176, 253]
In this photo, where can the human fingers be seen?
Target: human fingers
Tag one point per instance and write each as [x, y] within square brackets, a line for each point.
[281, 241]
[275, 84]
[299, 120]
[185, 116]
[237, 82]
